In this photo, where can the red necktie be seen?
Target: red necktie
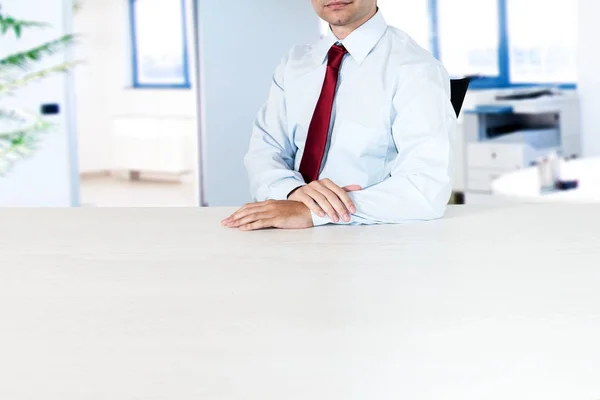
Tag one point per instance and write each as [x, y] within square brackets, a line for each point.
[314, 149]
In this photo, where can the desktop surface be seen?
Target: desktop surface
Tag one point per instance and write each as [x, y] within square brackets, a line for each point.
[157, 304]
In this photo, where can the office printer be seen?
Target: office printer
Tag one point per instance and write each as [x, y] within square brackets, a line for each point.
[516, 129]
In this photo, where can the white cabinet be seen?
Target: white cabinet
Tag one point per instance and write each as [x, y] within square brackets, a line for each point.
[488, 160]
[495, 155]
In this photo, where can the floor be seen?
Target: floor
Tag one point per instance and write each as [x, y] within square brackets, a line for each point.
[114, 191]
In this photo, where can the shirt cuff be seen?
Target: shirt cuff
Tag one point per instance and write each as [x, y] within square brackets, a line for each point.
[281, 189]
[320, 221]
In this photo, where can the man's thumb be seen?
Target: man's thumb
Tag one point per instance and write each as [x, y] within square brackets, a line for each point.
[352, 188]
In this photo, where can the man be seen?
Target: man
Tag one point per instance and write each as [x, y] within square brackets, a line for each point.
[356, 130]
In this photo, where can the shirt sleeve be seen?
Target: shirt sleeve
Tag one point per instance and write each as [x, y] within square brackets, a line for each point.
[420, 183]
[270, 158]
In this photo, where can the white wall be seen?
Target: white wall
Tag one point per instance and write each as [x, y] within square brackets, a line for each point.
[241, 43]
[103, 85]
[588, 83]
[48, 177]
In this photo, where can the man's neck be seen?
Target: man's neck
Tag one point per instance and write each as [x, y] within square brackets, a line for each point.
[342, 32]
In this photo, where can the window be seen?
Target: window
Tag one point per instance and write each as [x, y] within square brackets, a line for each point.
[544, 52]
[507, 42]
[411, 16]
[159, 45]
[462, 51]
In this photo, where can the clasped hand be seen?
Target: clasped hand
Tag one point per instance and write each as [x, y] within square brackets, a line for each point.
[321, 197]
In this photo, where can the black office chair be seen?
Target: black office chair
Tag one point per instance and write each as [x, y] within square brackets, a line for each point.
[458, 91]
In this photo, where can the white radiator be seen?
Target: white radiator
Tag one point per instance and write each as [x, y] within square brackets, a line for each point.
[155, 144]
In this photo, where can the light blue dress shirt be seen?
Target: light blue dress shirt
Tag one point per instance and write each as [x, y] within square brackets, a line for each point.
[390, 133]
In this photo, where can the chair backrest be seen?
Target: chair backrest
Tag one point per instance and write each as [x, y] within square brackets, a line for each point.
[458, 91]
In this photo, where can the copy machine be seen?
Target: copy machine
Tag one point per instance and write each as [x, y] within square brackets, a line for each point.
[514, 131]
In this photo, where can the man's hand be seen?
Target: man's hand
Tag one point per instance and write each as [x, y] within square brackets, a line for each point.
[283, 214]
[325, 197]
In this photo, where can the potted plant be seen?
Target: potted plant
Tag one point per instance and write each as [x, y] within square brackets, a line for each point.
[21, 130]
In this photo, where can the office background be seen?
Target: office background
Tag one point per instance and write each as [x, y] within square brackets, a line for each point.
[160, 111]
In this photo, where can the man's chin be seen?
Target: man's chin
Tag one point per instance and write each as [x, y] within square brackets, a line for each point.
[339, 19]
[339, 22]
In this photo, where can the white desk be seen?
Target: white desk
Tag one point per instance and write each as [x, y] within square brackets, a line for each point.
[164, 304]
[524, 185]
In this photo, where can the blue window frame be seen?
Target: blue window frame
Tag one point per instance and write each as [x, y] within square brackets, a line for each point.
[505, 64]
[159, 44]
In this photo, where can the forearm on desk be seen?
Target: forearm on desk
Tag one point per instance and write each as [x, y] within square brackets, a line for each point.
[400, 199]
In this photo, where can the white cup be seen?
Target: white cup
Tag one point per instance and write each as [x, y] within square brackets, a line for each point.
[549, 171]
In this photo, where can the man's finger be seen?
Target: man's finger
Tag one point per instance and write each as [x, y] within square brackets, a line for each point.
[322, 201]
[311, 204]
[244, 211]
[333, 193]
[260, 224]
[228, 219]
[352, 188]
[248, 219]
[343, 196]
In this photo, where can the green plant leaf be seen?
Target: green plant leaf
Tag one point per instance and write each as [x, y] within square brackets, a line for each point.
[15, 84]
[11, 24]
[17, 116]
[24, 59]
[20, 143]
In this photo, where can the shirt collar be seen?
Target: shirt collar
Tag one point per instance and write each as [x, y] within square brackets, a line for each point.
[359, 43]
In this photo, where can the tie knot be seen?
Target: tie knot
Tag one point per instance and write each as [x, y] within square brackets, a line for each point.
[336, 55]
[339, 47]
